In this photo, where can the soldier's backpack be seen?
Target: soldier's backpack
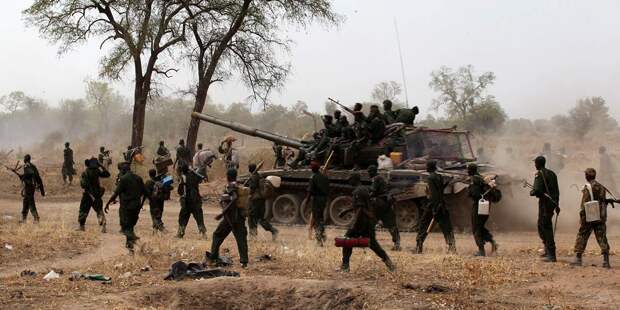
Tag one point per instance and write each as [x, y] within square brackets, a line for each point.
[494, 195]
[162, 189]
[243, 197]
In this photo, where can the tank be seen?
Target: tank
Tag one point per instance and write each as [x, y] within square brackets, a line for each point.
[451, 148]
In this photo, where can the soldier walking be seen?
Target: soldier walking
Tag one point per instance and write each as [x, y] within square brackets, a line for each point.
[233, 221]
[435, 209]
[593, 190]
[104, 158]
[157, 193]
[191, 201]
[93, 193]
[477, 189]
[379, 195]
[318, 191]
[257, 205]
[31, 180]
[68, 171]
[130, 191]
[547, 191]
[363, 224]
[183, 158]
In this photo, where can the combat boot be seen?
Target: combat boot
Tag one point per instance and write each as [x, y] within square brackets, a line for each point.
[24, 218]
[494, 246]
[203, 232]
[578, 260]
[481, 252]
[344, 268]
[274, 234]
[606, 261]
[81, 228]
[451, 248]
[181, 232]
[550, 257]
[104, 229]
[418, 248]
[396, 246]
[390, 265]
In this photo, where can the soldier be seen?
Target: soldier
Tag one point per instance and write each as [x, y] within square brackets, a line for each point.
[435, 209]
[606, 170]
[231, 156]
[104, 158]
[257, 205]
[191, 201]
[318, 190]
[379, 194]
[547, 191]
[234, 221]
[280, 161]
[93, 193]
[130, 190]
[157, 193]
[389, 115]
[128, 155]
[555, 161]
[376, 125]
[363, 224]
[346, 133]
[31, 180]
[477, 188]
[183, 158]
[68, 171]
[203, 160]
[330, 129]
[337, 116]
[593, 190]
[162, 150]
[407, 116]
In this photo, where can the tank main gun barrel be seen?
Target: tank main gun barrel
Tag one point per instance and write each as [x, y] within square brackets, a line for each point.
[250, 131]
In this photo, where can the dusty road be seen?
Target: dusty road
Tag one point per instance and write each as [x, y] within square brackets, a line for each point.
[301, 275]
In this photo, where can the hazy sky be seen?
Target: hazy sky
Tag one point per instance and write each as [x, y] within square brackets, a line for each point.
[546, 54]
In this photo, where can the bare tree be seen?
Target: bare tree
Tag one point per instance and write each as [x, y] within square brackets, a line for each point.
[242, 37]
[140, 32]
[387, 91]
[13, 101]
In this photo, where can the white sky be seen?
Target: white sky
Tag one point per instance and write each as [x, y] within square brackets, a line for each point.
[546, 54]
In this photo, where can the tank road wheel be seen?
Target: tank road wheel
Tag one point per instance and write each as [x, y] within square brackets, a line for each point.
[406, 215]
[285, 209]
[338, 205]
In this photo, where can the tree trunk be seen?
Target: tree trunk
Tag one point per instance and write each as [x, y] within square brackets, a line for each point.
[139, 114]
[194, 124]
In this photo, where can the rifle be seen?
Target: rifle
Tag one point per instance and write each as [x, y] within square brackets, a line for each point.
[229, 206]
[432, 223]
[555, 224]
[307, 199]
[342, 106]
[14, 170]
[611, 201]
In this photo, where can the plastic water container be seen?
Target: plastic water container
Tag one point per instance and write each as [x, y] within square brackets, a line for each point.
[592, 207]
[167, 180]
[483, 207]
[397, 158]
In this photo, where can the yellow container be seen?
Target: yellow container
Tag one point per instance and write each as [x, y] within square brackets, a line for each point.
[396, 157]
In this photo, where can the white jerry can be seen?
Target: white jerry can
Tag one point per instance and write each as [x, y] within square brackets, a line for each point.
[592, 207]
[483, 207]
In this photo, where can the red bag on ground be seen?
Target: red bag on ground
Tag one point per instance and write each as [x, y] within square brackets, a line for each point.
[343, 242]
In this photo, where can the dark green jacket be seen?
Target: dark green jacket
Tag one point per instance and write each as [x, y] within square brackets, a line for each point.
[546, 182]
[379, 187]
[319, 185]
[130, 190]
[477, 187]
[435, 189]
[390, 116]
[90, 181]
[188, 188]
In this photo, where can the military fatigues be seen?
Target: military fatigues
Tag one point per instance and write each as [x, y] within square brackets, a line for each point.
[376, 128]
[191, 203]
[405, 116]
[363, 226]
[68, 171]
[481, 234]
[257, 207]
[233, 221]
[390, 116]
[183, 158]
[435, 208]
[319, 191]
[31, 181]
[92, 195]
[385, 212]
[130, 190]
[156, 203]
[546, 182]
[599, 228]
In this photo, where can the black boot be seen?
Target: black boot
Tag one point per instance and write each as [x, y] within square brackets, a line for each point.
[494, 246]
[578, 261]
[274, 234]
[24, 218]
[390, 265]
[181, 232]
[81, 228]
[344, 267]
[550, 257]
[396, 246]
[203, 232]
[480, 252]
[418, 248]
[606, 261]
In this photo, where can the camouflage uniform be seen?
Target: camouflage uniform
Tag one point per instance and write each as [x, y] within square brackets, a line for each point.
[92, 195]
[234, 221]
[318, 189]
[546, 182]
[599, 228]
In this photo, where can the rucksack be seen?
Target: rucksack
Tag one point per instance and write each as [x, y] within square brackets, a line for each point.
[243, 197]
[161, 191]
[494, 195]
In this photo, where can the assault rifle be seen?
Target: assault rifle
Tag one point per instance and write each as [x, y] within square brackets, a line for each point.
[14, 169]
[611, 201]
[555, 223]
[342, 106]
[229, 205]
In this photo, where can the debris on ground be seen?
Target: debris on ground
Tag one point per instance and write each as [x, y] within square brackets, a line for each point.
[264, 258]
[180, 270]
[125, 275]
[432, 288]
[118, 266]
[146, 268]
[28, 273]
[223, 261]
[8, 247]
[75, 276]
[51, 276]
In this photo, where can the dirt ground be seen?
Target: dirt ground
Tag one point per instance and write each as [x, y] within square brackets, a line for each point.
[300, 275]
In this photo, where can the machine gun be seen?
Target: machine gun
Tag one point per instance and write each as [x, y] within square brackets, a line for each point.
[342, 106]
[229, 205]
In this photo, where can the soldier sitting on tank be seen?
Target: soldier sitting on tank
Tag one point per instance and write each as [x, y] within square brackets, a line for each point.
[320, 144]
[407, 116]
[376, 125]
[389, 115]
